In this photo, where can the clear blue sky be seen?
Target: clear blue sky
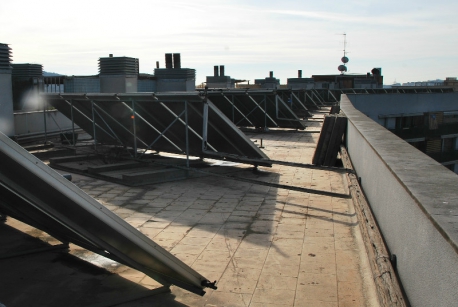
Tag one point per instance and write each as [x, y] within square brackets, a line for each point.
[409, 40]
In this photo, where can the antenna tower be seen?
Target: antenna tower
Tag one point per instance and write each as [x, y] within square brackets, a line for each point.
[344, 59]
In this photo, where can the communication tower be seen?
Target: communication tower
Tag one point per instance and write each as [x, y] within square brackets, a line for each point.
[342, 68]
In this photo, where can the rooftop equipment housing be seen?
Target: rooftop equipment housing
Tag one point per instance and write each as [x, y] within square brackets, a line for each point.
[173, 78]
[6, 92]
[299, 82]
[118, 74]
[27, 82]
[219, 79]
[269, 82]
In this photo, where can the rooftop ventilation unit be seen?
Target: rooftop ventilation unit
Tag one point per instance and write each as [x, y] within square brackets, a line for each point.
[118, 66]
[27, 70]
[118, 74]
[27, 83]
[5, 56]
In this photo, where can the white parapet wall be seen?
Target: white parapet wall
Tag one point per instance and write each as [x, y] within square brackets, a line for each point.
[415, 202]
[36, 122]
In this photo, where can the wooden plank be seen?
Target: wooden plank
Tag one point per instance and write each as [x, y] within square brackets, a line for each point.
[323, 141]
[335, 141]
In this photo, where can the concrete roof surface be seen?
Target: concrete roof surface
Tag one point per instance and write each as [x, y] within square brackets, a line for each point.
[265, 246]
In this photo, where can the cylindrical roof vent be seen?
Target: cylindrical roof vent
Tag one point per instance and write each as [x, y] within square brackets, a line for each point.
[168, 60]
[299, 73]
[221, 70]
[27, 70]
[176, 60]
[216, 71]
[5, 56]
[118, 66]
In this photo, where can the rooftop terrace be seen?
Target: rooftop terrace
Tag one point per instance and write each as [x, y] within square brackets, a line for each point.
[265, 246]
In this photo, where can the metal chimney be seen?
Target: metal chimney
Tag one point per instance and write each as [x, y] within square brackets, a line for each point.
[299, 73]
[176, 60]
[216, 71]
[221, 70]
[157, 64]
[168, 60]
[271, 74]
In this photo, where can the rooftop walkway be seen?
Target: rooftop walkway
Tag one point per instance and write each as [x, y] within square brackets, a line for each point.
[265, 246]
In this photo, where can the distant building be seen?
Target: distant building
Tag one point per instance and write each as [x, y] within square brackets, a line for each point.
[122, 75]
[268, 82]
[427, 121]
[300, 83]
[452, 82]
[374, 79]
[220, 80]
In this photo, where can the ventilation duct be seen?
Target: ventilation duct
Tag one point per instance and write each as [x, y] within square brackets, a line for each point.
[168, 60]
[216, 71]
[176, 60]
[221, 70]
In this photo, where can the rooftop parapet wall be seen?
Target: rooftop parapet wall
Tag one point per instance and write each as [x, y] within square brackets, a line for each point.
[415, 202]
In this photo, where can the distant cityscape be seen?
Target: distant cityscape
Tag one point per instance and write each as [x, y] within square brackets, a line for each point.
[437, 82]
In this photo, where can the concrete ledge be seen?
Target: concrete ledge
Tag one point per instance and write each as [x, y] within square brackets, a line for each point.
[415, 202]
[53, 153]
[114, 167]
[154, 176]
[72, 158]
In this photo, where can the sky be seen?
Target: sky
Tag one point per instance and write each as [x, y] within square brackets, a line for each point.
[409, 40]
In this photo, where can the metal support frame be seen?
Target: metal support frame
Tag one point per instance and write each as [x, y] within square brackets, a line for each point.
[73, 123]
[93, 125]
[334, 97]
[277, 98]
[263, 110]
[44, 119]
[114, 136]
[312, 100]
[298, 100]
[205, 128]
[237, 109]
[61, 131]
[151, 126]
[84, 115]
[134, 127]
[117, 122]
[161, 134]
[93, 111]
[186, 132]
[320, 100]
[190, 128]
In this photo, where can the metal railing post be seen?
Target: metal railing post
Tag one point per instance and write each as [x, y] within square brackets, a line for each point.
[93, 125]
[187, 137]
[135, 128]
